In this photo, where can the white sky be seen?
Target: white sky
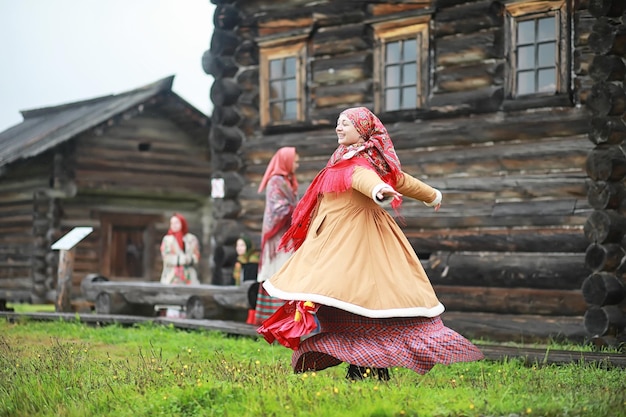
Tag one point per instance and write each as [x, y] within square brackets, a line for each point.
[59, 51]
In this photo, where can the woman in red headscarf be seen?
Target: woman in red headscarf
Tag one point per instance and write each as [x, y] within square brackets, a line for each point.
[281, 195]
[355, 270]
[180, 251]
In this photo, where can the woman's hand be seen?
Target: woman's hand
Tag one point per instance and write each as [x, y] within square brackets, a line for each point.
[386, 193]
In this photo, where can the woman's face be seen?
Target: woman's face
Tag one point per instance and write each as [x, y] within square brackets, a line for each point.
[296, 163]
[346, 132]
[175, 224]
[241, 247]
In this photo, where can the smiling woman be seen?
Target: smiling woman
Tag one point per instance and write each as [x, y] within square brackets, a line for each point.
[92, 48]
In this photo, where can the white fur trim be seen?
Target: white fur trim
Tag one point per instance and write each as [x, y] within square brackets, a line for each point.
[386, 201]
[437, 199]
[352, 308]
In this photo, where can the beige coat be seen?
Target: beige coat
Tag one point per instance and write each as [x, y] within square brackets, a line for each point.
[356, 258]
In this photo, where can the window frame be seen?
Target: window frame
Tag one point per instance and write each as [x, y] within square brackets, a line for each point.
[279, 50]
[401, 30]
[532, 10]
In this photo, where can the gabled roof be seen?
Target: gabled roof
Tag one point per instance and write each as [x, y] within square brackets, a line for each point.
[45, 128]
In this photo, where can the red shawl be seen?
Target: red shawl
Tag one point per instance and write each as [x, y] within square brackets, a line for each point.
[281, 196]
[182, 232]
[377, 154]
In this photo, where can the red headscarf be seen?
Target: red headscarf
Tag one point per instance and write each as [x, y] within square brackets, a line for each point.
[281, 164]
[377, 153]
[182, 232]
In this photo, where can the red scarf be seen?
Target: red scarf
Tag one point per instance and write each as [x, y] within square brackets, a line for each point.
[181, 233]
[281, 164]
[377, 154]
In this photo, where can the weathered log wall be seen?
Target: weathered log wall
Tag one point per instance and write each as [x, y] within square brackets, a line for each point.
[604, 289]
[509, 235]
[26, 211]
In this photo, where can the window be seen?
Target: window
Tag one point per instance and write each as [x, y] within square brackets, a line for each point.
[282, 83]
[537, 48]
[127, 242]
[401, 64]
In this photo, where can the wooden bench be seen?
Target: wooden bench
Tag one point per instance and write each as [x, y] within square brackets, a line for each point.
[218, 302]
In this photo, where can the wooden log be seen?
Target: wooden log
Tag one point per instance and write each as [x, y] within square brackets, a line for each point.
[605, 226]
[226, 17]
[607, 99]
[64, 281]
[218, 66]
[225, 115]
[340, 40]
[248, 79]
[606, 257]
[247, 54]
[608, 130]
[497, 269]
[607, 38]
[469, 17]
[603, 288]
[226, 208]
[226, 232]
[511, 300]
[609, 342]
[135, 297]
[224, 92]
[469, 77]
[348, 92]
[226, 161]
[202, 307]
[110, 303]
[608, 8]
[605, 320]
[603, 195]
[225, 255]
[473, 47]
[606, 163]
[516, 239]
[224, 42]
[485, 99]
[607, 68]
[225, 138]
[342, 68]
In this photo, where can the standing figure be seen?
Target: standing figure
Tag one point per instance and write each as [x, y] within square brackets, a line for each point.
[246, 269]
[180, 251]
[247, 264]
[354, 270]
[281, 196]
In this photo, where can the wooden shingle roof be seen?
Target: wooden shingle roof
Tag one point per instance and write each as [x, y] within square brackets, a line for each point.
[45, 128]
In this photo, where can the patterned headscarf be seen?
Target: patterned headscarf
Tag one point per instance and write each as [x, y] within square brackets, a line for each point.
[376, 153]
[181, 233]
[379, 150]
[281, 164]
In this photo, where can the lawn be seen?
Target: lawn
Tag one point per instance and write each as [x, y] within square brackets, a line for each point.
[72, 369]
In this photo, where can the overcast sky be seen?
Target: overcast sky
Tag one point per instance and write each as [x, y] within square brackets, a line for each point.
[59, 51]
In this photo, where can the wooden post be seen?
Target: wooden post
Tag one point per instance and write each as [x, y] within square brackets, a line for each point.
[64, 281]
[65, 245]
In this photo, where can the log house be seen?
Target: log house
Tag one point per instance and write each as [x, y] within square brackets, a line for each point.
[514, 109]
[121, 164]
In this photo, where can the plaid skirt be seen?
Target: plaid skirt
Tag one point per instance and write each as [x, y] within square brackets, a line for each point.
[266, 305]
[417, 343]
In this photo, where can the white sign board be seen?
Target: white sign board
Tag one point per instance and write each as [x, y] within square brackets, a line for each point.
[217, 188]
[70, 240]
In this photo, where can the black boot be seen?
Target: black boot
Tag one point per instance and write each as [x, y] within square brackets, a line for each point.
[357, 373]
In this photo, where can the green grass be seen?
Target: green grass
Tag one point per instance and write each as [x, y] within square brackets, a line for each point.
[72, 369]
